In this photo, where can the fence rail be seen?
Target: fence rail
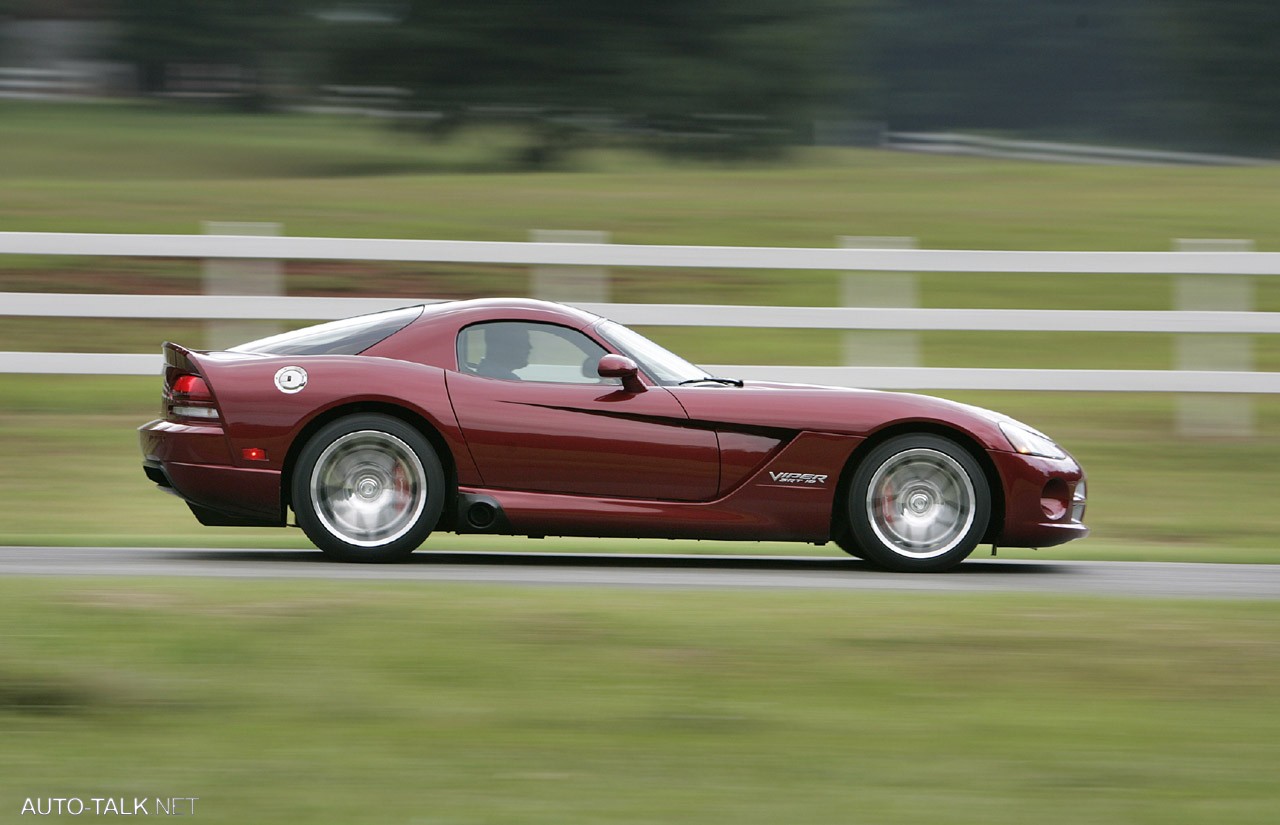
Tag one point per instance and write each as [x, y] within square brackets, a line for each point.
[948, 143]
[725, 257]
[267, 307]
[835, 259]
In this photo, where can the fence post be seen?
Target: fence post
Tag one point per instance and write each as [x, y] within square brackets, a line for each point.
[880, 348]
[240, 276]
[1203, 414]
[570, 284]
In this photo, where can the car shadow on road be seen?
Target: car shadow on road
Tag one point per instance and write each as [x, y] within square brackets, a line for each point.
[811, 564]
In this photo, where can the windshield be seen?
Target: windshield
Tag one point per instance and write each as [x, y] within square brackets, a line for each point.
[349, 336]
[662, 365]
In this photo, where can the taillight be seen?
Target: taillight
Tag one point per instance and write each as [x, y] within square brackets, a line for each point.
[193, 387]
[189, 397]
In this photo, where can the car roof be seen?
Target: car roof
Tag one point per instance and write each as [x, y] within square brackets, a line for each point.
[492, 309]
[431, 337]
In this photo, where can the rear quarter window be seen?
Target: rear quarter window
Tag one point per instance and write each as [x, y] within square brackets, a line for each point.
[350, 336]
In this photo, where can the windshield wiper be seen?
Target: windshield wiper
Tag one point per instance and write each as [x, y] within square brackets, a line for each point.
[728, 382]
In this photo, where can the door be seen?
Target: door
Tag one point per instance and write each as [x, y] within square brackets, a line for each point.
[537, 417]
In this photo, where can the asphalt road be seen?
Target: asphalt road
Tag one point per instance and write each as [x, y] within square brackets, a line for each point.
[1146, 579]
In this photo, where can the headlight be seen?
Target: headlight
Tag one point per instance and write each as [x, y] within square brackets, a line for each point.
[1027, 441]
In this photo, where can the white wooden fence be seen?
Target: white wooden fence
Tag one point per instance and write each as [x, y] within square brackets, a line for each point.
[950, 143]
[612, 255]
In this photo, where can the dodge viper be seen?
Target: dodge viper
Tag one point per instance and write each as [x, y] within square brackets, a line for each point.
[522, 417]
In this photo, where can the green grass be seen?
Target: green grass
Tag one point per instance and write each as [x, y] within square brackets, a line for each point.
[121, 169]
[327, 702]
[150, 169]
[320, 702]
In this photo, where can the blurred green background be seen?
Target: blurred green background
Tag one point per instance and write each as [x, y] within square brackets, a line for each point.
[752, 122]
[1154, 493]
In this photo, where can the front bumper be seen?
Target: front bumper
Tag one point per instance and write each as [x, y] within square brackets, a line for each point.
[1040, 507]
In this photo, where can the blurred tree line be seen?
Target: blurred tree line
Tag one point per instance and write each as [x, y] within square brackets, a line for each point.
[1177, 73]
[731, 76]
[685, 75]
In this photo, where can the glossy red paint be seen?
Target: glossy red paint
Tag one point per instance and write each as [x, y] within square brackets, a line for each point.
[255, 414]
[172, 441]
[1023, 479]
[743, 453]
[762, 461]
[234, 491]
[797, 407]
[759, 509]
[585, 439]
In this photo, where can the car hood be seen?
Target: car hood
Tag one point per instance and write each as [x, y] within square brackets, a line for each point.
[772, 405]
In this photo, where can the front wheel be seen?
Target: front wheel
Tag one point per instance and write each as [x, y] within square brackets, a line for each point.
[917, 503]
[368, 487]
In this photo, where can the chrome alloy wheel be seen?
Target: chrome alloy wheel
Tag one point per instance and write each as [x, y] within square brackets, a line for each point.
[920, 503]
[369, 488]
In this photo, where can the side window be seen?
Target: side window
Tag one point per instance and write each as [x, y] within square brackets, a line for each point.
[523, 351]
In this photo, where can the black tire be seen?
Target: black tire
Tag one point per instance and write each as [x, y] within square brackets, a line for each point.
[368, 488]
[916, 504]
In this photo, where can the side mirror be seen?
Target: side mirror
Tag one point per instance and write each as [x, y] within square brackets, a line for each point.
[620, 366]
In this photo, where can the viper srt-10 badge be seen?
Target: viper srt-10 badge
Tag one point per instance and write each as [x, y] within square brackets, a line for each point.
[798, 478]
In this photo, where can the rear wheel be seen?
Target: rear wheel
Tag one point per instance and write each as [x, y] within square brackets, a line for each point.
[368, 487]
[917, 503]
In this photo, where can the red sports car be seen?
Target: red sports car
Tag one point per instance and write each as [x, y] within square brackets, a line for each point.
[531, 418]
